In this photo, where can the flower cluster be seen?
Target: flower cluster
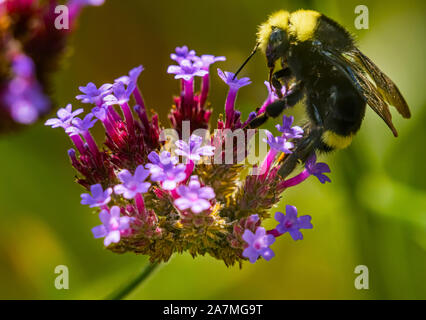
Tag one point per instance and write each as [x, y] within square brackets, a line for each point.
[30, 49]
[160, 196]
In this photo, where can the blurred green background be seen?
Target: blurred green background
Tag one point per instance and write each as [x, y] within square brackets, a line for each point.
[373, 213]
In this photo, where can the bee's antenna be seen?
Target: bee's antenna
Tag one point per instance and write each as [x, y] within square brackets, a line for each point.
[247, 60]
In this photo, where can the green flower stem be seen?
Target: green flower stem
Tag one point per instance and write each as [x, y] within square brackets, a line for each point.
[134, 282]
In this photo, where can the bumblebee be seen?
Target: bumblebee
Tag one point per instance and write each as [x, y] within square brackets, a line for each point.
[334, 78]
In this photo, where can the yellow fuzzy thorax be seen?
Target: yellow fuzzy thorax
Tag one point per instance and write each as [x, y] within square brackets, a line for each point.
[301, 24]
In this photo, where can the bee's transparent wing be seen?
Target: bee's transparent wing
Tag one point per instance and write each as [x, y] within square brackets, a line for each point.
[378, 90]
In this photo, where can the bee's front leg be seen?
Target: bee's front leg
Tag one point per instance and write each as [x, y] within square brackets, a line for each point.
[279, 77]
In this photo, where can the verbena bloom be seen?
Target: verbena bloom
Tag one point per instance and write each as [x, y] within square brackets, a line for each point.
[194, 197]
[289, 132]
[258, 245]
[132, 184]
[120, 95]
[208, 59]
[164, 169]
[162, 203]
[132, 78]
[311, 168]
[292, 224]
[91, 94]
[98, 198]
[23, 94]
[112, 226]
[234, 85]
[183, 53]
[80, 126]
[65, 117]
[317, 169]
[192, 150]
[187, 70]
[278, 143]
[31, 49]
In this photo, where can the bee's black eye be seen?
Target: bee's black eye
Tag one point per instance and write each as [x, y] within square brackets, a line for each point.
[276, 36]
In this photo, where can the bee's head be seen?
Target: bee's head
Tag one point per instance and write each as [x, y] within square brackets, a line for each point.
[273, 38]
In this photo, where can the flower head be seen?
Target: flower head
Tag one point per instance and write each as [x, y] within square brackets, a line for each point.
[193, 149]
[23, 66]
[65, 116]
[80, 126]
[120, 95]
[288, 131]
[233, 83]
[194, 196]
[203, 208]
[112, 226]
[292, 224]
[278, 143]
[26, 101]
[258, 245]
[98, 198]
[163, 169]
[91, 94]
[132, 184]
[208, 59]
[182, 53]
[186, 70]
[132, 78]
[317, 169]
[31, 49]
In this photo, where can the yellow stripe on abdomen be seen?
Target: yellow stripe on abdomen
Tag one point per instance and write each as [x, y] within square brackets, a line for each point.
[335, 140]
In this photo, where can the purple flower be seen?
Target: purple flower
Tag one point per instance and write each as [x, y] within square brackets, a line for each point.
[132, 184]
[272, 96]
[194, 196]
[121, 94]
[234, 84]
[132, 78]
[208, 59]
[187, 70]
[288, 131]
[258, 244]
[100, 112]
[65, 116]
[112, 226]
[83, 3]
[93, 94]
[98, 198]
[23, 66]
[317, 169]
[278, 143]
[163, 169]
[183, 53]
[25, 97]
[291, 223]
[81, 126]
[193, 150]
